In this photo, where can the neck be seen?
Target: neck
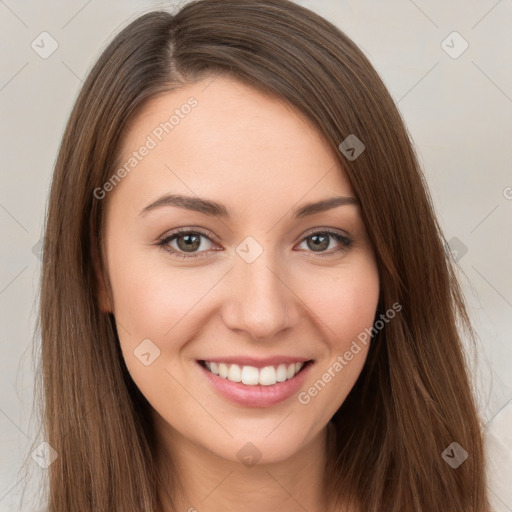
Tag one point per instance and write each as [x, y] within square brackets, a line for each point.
[210, 483]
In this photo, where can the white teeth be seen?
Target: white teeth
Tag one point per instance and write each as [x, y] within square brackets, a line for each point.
[267, 376]
[281, 373]
[252, 376]
[235, 373]
[223, 370]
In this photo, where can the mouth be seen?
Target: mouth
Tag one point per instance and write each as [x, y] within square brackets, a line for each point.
[263, 385]
[253, 375]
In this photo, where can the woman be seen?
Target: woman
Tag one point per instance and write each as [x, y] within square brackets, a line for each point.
[246, 302]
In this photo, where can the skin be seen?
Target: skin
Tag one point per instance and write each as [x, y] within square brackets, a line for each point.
[261, 158]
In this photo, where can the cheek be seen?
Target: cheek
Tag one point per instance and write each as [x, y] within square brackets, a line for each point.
[346, 312]
[346, 304]
[154, 308]
[353, 309]
[164, 305]
[150, 297]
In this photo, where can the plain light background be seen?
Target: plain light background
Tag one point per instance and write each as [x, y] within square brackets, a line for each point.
[457, 106]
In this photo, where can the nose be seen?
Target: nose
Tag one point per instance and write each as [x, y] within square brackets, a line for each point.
[260, 300]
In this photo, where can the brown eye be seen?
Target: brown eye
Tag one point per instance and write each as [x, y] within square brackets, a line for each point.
[186, 244]
[320, 242]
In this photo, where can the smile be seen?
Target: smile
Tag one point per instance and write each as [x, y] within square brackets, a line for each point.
[251, 375]
[263, 385]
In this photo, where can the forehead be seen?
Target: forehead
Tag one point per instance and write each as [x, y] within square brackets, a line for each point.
[223, 139]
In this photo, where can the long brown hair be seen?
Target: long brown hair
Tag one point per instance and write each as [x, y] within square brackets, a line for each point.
[413, 397]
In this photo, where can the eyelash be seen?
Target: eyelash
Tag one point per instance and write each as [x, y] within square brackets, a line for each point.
[344, 240]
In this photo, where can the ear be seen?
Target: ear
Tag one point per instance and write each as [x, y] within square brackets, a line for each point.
[104, 298]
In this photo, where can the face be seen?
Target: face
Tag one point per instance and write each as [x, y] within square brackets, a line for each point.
[268, 294]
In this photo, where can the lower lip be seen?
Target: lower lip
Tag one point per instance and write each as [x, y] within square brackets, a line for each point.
[257, 396]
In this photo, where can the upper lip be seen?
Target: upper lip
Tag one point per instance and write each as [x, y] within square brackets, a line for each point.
[257, 362]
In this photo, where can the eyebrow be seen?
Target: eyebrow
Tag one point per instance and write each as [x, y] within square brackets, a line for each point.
[215, 209]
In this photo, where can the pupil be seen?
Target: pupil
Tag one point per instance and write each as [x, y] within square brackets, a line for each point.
[321, 245]
[192, 242]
